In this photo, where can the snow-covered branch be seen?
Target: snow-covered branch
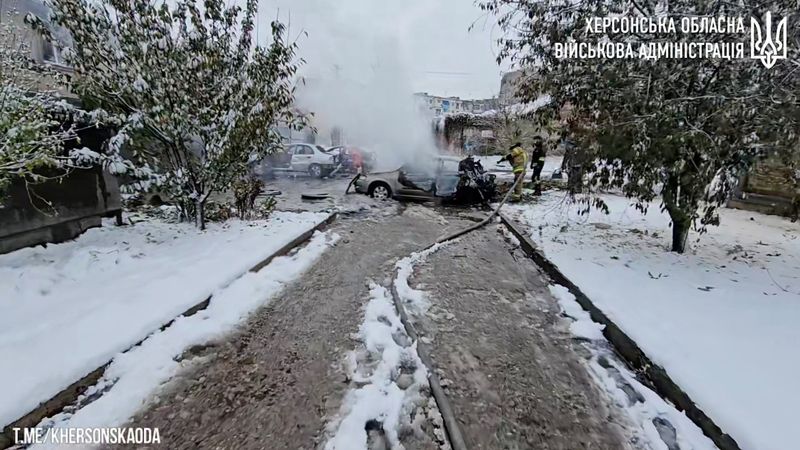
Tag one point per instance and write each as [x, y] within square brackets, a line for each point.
[199, 96]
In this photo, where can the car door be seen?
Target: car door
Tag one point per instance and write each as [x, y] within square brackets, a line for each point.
[447, 178]
[301, 157]
[417, 180]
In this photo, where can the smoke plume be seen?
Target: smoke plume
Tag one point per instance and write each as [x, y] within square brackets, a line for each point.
[356, 73]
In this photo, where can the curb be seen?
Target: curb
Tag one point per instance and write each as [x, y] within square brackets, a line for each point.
[70, 395]
[652, 374]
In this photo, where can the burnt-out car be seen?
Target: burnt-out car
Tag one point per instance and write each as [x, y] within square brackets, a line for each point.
[442, 178]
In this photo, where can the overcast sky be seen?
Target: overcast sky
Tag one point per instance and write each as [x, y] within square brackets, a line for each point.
[427, 40]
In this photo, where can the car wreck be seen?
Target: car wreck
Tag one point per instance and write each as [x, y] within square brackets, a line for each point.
[443, 179]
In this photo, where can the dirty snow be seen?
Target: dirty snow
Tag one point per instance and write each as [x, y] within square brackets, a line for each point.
[722, 319]
[387, 376]
[661, 425]
[134, 376]
[415, 300]
[69, 308]
[582, 326]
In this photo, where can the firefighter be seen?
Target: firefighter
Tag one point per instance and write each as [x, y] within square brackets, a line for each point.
[518, 158]
[537, 164]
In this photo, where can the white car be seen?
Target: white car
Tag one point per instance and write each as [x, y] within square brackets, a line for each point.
[308, 158]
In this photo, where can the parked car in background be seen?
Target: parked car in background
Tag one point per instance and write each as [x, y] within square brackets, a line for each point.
[308, 158]
[353, 159]
[442, 178]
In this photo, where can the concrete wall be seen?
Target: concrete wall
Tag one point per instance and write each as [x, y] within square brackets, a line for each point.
[77, 203]
[61, 209]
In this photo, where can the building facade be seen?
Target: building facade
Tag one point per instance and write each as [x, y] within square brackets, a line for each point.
[440, 106]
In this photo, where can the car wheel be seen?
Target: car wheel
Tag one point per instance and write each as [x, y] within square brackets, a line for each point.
[380, 191]
[315, 170]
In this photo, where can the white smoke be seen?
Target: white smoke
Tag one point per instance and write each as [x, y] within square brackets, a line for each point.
[356, 73]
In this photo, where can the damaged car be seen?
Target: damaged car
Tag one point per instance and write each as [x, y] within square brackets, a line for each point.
[443, 178]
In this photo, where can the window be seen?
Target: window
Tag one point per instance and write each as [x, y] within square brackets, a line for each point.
[50, 52]
[304, 150]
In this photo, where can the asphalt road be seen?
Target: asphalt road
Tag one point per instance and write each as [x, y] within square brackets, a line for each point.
[514, 376]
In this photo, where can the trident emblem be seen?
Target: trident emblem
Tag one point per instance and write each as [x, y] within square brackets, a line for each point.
[767, 48]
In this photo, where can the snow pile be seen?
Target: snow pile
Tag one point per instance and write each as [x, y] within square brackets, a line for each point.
[415, 300]
[389, 380]
[67, 309]
[661, 424]
[721, 319]
[582, 326]
[526, 109]
[135, 375]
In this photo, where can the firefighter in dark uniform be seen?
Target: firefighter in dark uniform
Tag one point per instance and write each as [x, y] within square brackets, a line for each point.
[538, 156]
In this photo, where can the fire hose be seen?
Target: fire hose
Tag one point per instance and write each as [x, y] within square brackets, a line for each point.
[448, 416]
[352, 182]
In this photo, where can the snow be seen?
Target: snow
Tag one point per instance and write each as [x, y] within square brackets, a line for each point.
[722, 319]
[379, 397]
[582, 325]
[377, 394]
[489, 163]
[518, 109]
[525, 109]
[84, 156]
[641, 405]
[140, 85]
[137, 374]
[416, 299]
[67, 309]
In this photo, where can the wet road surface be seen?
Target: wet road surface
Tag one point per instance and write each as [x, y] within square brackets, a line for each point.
[512, 372]
[277, 381]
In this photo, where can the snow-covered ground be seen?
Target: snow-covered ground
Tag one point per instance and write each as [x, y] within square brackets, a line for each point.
[67, 309]
[388, 378]
[415, 301]
[722, 319]
[133, 377]
[659, 424]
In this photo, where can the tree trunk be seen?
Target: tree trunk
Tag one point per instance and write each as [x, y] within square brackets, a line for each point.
[200, 214]
[680, 233]
[681, 220]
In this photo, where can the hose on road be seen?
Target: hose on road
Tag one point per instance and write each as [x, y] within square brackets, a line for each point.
[352, 182]
[485, 221]
[448, 415]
